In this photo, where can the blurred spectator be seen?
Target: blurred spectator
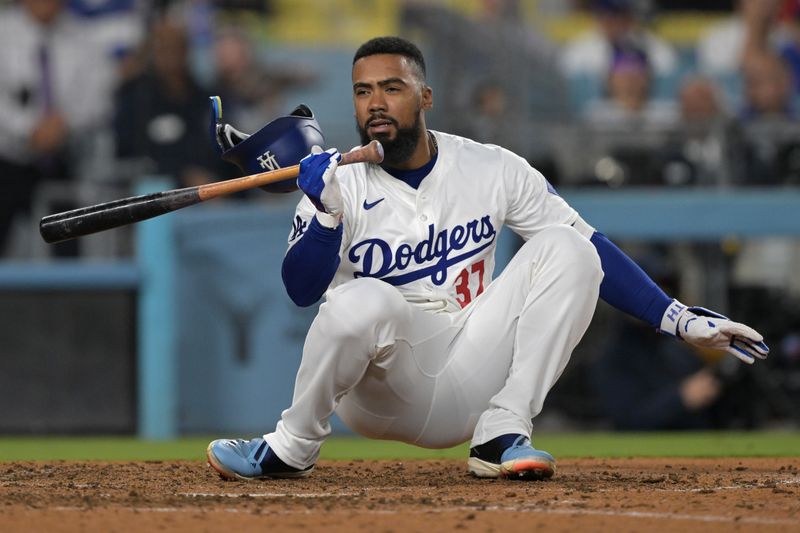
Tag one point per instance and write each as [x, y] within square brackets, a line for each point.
[627, 127]
[491, 119]
[758, 28]
[703, 148]
[700, 101]
[162, 113]
[645, 382]
[775, 31]
[629, 101]
[767, 88]
[252, 93]
[55, 91]
[769, 123]
[721, 47]
[118, 25]
[587, 60]
[495, 45]
[649, 382]
[790, 46]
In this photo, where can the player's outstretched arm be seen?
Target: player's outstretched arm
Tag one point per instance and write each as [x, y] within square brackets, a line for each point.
[702, 327]
[628, 288]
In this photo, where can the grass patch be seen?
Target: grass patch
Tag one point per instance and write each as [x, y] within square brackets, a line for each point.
[562, 445]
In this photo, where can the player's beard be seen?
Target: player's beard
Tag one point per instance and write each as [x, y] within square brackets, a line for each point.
[401, 148]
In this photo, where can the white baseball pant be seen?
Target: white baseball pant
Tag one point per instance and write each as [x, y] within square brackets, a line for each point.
[393, 371]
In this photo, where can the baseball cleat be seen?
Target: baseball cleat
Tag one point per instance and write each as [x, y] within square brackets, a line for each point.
[510, 456]
[245, 460]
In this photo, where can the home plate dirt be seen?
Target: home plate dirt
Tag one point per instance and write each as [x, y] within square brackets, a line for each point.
[586, 494]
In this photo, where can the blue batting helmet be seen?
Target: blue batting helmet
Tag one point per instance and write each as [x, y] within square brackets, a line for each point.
[281, 143]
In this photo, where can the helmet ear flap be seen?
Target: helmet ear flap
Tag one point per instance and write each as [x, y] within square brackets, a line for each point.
[281, 143]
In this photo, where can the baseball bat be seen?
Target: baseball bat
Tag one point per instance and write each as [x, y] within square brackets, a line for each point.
[93, 219]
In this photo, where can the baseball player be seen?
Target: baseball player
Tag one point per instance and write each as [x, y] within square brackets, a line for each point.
[415, 341]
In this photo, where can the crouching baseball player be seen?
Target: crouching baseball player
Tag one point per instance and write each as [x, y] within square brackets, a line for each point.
[415, 342]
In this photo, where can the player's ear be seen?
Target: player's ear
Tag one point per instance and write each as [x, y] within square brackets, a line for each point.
[427, 97]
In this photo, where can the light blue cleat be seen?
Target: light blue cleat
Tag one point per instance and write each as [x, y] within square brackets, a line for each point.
[511, 456]
[253, 459]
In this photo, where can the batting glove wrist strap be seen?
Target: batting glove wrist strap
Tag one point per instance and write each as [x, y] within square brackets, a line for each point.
[669, 321]
[705, 328]
[329, 221]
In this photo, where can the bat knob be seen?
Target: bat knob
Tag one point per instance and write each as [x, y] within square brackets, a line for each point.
[371, 153]
[378, 151]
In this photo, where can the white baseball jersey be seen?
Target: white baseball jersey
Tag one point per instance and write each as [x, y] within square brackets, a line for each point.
[437, 244]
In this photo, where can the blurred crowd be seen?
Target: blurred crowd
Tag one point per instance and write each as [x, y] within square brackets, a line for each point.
[721, 111]
[97, 93]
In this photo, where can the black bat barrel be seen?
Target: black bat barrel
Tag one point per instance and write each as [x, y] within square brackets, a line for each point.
[93, 219]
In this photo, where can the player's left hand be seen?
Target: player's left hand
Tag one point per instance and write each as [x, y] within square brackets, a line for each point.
[705, 328]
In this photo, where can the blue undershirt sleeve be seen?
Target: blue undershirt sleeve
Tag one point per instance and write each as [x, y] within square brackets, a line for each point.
[626, 286]
[309, 266]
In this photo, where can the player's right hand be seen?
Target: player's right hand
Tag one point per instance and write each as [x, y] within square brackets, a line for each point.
[705, 328]
[317, 180]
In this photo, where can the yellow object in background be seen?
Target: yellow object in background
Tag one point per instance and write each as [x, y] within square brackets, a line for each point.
[338, 23]
[351, 22]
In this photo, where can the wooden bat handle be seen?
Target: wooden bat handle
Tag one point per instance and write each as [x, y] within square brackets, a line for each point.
[87, 220]
[371, 153]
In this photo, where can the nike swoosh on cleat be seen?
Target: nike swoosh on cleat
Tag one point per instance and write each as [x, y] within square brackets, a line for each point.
[369, 206]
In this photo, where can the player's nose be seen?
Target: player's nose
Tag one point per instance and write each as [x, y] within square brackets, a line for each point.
[377, 102]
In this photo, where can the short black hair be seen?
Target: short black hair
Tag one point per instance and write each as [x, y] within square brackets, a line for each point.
[392, 45]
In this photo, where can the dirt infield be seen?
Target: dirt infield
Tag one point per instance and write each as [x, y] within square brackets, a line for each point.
[587, 494]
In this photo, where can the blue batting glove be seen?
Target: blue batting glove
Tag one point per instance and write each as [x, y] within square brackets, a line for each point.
[317, 179]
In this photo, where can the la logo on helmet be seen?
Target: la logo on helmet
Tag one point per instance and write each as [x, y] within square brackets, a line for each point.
[267, 161]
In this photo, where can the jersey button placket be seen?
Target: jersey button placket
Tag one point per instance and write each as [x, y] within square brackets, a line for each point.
[424, 215]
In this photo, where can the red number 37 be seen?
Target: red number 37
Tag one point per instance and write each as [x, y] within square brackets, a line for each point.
[463, 294]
